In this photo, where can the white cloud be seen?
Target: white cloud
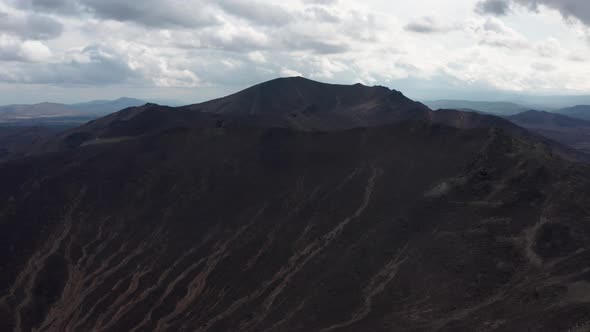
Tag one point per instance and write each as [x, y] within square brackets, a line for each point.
[230, 44]
[286, 72]
[13, 49]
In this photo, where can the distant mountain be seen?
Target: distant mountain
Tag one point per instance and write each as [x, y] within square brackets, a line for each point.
[104, 107]
[54, 113]
[580, 112]
[497, 108]
[17, 113]
[564, 129]
[296, 206]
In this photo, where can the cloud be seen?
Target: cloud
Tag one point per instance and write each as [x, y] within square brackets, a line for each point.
[13, 49]
[48, 6]
[256, 12]
[549, 48]
[30, 26]
[577, 9]
[230, 44]
[90, 66]
[286, 72]
[150, 13]
[543, 66]
[493, 7]
[426, 25]
[321, 14]
[495, 33]
[316, 45]
[321, 2]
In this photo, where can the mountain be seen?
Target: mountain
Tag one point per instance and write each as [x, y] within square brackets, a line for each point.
[560, 128]
[59, 114]
[17, 141]
[104, 107]
[31, 112]
[26, 128]
[308, 105]
[235, 218]
[580, 112]
[294, 103]
[497, 108]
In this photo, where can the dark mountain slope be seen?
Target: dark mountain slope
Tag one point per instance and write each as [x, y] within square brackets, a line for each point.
[409, 227]
[171, 219]
[308, 105]
[17, 141]
[563, 129]
[295, 103]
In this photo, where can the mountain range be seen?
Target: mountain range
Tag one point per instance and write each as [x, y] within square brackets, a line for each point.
[60, 114]
[491, 107]
[508, 108]
[560, 128]
[580, 111]
[296, 206]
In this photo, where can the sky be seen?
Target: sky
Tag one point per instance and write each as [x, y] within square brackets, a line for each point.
[186, 51]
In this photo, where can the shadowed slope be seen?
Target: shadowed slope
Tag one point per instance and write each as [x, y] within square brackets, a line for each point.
[412, 226]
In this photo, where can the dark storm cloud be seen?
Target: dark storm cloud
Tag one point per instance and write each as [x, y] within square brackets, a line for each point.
[256, 12]
[30, 26]
[578, 9]
[493, 7]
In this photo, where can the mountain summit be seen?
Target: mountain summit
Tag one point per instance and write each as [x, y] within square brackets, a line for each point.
[307, 104]
[297, 94]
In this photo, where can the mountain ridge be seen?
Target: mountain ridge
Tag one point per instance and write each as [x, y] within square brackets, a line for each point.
[579, 111]
[315, 106]
[566, 130]
[168, 219]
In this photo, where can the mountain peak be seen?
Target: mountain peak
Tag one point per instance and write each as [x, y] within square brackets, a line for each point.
[299, 95]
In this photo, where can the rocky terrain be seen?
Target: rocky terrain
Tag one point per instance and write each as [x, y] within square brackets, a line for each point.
[296, 206]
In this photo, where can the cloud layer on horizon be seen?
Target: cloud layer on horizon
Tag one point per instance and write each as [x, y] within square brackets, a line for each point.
[229, 44]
